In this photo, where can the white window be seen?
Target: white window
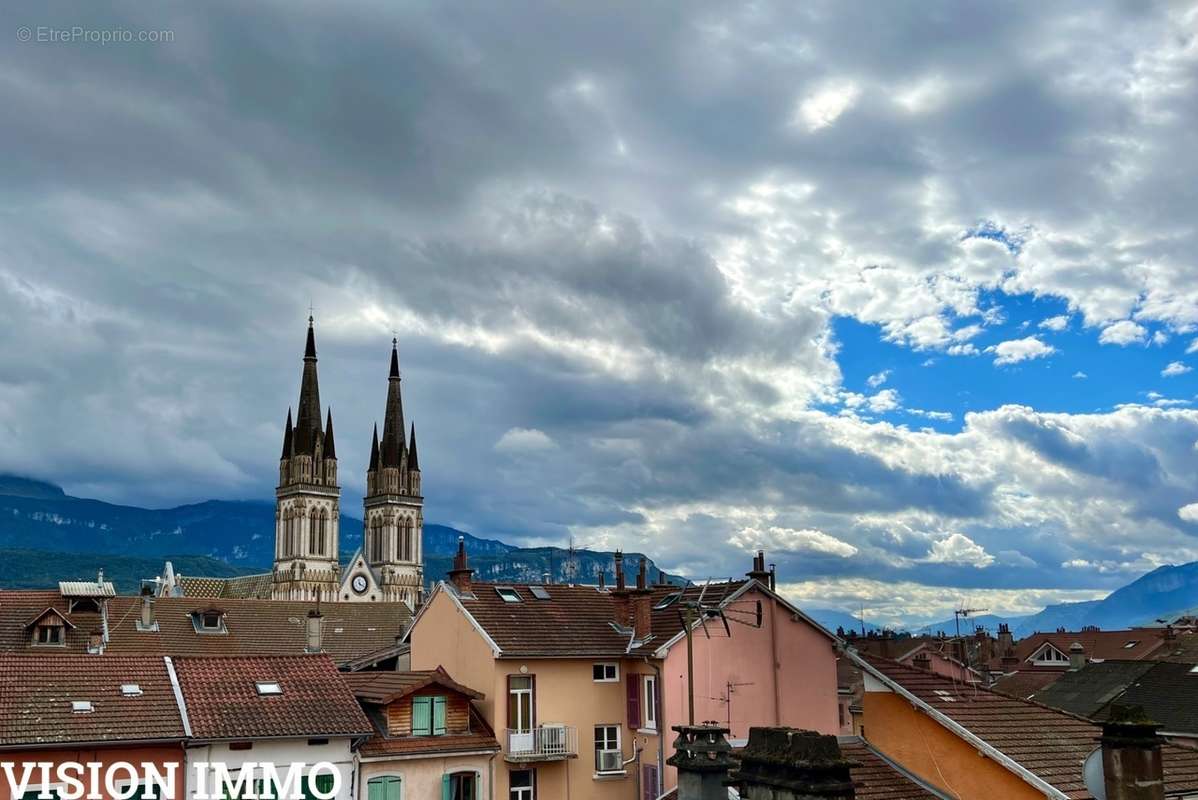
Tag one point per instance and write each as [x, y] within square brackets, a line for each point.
[519, 703]
[508, 594]
[606, 673]
[1049, 655]
[523, 785]
[268, 687]
[608, 757]
[649, 702]
[82, 706]
[131, 690]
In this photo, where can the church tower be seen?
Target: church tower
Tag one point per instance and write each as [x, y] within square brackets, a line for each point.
[394, 510]
[308, 499]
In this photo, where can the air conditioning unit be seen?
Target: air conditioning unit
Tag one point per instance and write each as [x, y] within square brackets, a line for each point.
[553, 738]
[609, 760]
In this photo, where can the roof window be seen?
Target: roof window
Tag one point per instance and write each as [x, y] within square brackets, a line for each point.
[1130, 644]
[267, 688]
[667, 601]
[539, 592]
[945, 696]
[508, 594]
[82, 706]
[131, 690]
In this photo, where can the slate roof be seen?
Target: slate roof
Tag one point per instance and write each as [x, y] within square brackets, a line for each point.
[36, 694]
[254, 627]
[1025, 683]
[1049, 743]
[1099, 645]
[223, 702]
[1085, 691]
[879, 778]
[1168, 693]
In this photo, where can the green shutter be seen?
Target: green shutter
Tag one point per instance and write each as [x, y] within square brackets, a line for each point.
[322, 782]
[422, 721]
[446, 788]
[438, 716]
[478, 786]
[376, 789]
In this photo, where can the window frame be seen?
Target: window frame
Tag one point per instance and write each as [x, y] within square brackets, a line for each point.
[59, 640]
[607, 728]
[531, 692]
[389, 776]
[525, 792]
[615, 676]
[457, 777]
[649, 702]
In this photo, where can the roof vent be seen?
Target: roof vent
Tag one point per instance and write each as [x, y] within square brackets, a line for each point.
[82, 706]
[267, 688]
[508, 594]
[131, 690]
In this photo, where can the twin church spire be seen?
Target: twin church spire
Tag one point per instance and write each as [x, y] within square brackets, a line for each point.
[307, 519]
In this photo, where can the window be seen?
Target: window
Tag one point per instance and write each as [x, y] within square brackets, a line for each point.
[649, 703]
[667, 601]
[461, 786]
[606, 673]
[523, 783]
[539, 592]
[608, 757]
[508, 594]
[48, 635]
[82, 706]
[520, 703]
[385, 788]
[322, 783]
[131, 690]
[428, 716]
[266, 688]
[210, 621]
[1131, 644]
[1049, 655]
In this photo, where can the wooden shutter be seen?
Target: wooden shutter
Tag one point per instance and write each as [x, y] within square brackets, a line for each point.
[422, 716]
[478, 785]
[446, 787]
[649, 782]
[634, 700]
[376, 789]
[438, 716]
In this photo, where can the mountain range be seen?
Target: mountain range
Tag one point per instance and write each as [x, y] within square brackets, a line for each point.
[47, 535]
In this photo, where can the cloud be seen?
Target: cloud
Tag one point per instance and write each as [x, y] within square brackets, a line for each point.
[958, 548]
[878, 378]
[1188, 513]
[883, 401]
[1193, 347]
[789, 540]
[1016, 350]
[1123, 333]
[1057, 323]
[941, 416]
[1080, 375]
[1175, 368]
[824, 106]
[524, 440]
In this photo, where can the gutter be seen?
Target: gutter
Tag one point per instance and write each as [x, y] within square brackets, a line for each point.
[987, 749]
[178, 690]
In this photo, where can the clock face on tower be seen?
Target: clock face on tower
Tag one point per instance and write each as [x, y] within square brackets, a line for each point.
[359, 583]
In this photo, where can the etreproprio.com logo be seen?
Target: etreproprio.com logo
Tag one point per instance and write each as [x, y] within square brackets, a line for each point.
[82, 34]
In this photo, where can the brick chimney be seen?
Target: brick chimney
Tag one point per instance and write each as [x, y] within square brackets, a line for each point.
[1131, 756]
[633, 607]
[312, 631]
[1005, 640]
[620, 570]
[462, 576]
[790, 764]
[703, 758]
[759, 572]
[1077, 656]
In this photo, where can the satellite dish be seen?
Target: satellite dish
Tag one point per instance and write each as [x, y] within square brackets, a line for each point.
[1093, 776]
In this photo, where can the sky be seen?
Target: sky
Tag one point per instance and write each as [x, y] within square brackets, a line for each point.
[905, 294]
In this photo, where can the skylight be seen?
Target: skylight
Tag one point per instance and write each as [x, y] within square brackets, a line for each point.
[945, 696]
[268, 688]
[1131, 644]
[82, 706]
[539, 592]
[508, 594]
[667, 601]
[131, 689]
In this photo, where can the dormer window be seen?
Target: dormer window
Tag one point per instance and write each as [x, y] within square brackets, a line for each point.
[209, 621]
[1049, 655]
[48, 635]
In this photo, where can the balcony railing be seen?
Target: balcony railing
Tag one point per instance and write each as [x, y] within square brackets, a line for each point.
[543, 743]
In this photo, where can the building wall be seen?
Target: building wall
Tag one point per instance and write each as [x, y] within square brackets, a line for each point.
[421, 777]
[280, 752]
[160, 755]
[929, 750]
[445, 637]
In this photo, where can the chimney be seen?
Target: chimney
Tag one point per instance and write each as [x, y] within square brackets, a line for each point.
[790, 764]
[95, 642]
[922, 661]
[1005, 640]
[147, 622]
[619, 570]
[602, 579]
[773, 577]
[641, 576]
[313, 631]
[461, 576]
[1131, 756]
[703, 758]
[1077, 656]
[759, 572]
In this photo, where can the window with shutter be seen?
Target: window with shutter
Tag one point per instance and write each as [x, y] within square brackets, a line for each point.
[385, 788]
[422, 716]
[438, 716]
[634, 700]
[323, 783]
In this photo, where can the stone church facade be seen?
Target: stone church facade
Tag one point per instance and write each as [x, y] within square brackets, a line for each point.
[389, 565]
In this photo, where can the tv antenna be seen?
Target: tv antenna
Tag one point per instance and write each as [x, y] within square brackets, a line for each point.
[695, 612]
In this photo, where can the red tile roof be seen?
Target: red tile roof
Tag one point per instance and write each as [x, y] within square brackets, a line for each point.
[223, 701]
[1050, 744]
[36, 693]
[877, 778]
[387, 687]
[1098, 644]
[254, 627]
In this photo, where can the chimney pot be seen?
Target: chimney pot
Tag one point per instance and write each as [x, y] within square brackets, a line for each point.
[620, 570]
[1077, 656]
[462, 576]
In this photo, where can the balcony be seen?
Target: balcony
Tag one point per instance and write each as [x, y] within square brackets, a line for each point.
[543, 743]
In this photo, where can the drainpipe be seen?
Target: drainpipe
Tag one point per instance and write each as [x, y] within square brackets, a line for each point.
[491, 777]
[774, 662]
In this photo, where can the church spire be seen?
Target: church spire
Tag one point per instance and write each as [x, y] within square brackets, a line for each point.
[307, 415]
[374, 449]
[330, 450]
[413, 461]
[393, 433]
[287, 436]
